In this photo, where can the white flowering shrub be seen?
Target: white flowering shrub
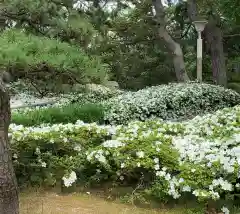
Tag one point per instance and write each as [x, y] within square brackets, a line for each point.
[169, 102]
[44, 154]
[199, 157]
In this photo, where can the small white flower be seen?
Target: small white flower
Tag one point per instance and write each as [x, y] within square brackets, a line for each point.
[121, 178]
[102, 159]
[70, 179]
[167, 177]
[77, 148]
[225, 210]
[122, 165]
[112, 144]
[196, 193]
[160, 173]
[156, 160]
[138, 164]
[38, 151]
[164, 169]
[186, 189]
[181, 180]
[140, 154]
[210, 187]
[157, 167]
[158, 142]
[44, 165]
[209, 164]
[15, 156]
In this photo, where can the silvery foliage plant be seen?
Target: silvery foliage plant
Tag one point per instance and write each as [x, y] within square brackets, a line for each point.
[177, 101]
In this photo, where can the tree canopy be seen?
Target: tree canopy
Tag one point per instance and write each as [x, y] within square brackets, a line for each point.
[122, 39]
[30, 56]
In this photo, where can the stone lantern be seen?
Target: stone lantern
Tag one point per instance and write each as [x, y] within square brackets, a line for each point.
[199, 25]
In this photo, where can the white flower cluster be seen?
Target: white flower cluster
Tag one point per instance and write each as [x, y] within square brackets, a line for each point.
[225, 185]
[176, 152]
[68, 180]
[98, 155]
[225, 210]
[210, 140]
[173, 183]
[169, 102]
[113, 144]
[196, 145]
[21, 133]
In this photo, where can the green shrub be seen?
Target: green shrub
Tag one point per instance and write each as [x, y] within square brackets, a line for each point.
[165, 157]
[48, 59]
[70, 113]
[169, 102]
[42, 155]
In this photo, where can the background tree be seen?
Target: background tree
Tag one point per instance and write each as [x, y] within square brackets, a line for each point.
[172, 46]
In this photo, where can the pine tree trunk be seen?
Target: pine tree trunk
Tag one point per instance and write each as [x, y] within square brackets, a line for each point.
[214, 39]
[178, 59]
[173, 47]
[8, 184]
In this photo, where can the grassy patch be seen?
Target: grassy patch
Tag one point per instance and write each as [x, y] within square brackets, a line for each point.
[68, 114]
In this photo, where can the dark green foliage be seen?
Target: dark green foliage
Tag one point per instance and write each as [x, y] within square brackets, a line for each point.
[55, 19]
[67, 114]
[41, 58]
[234, 86]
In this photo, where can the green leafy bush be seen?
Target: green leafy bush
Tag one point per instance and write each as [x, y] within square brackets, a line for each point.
[69, 113]
[170, 102]
[43, 155]
[48, 59]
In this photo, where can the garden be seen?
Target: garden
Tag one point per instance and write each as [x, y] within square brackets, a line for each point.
[169, 144]
[119, 107]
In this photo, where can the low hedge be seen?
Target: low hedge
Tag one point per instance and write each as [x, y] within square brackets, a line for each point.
[166, 156]
[69, 113]
[178, 101]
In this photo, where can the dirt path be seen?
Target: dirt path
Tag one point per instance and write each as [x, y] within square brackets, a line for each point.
[51, 203]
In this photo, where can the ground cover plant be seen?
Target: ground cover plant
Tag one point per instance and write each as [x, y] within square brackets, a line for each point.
[166, 156]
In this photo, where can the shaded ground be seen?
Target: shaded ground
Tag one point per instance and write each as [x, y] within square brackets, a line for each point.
[51, 203]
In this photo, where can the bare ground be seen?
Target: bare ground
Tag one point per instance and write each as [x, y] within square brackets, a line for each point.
[51, 203]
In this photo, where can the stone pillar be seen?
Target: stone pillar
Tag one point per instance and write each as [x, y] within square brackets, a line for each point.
[199, 57]
[199, 25]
